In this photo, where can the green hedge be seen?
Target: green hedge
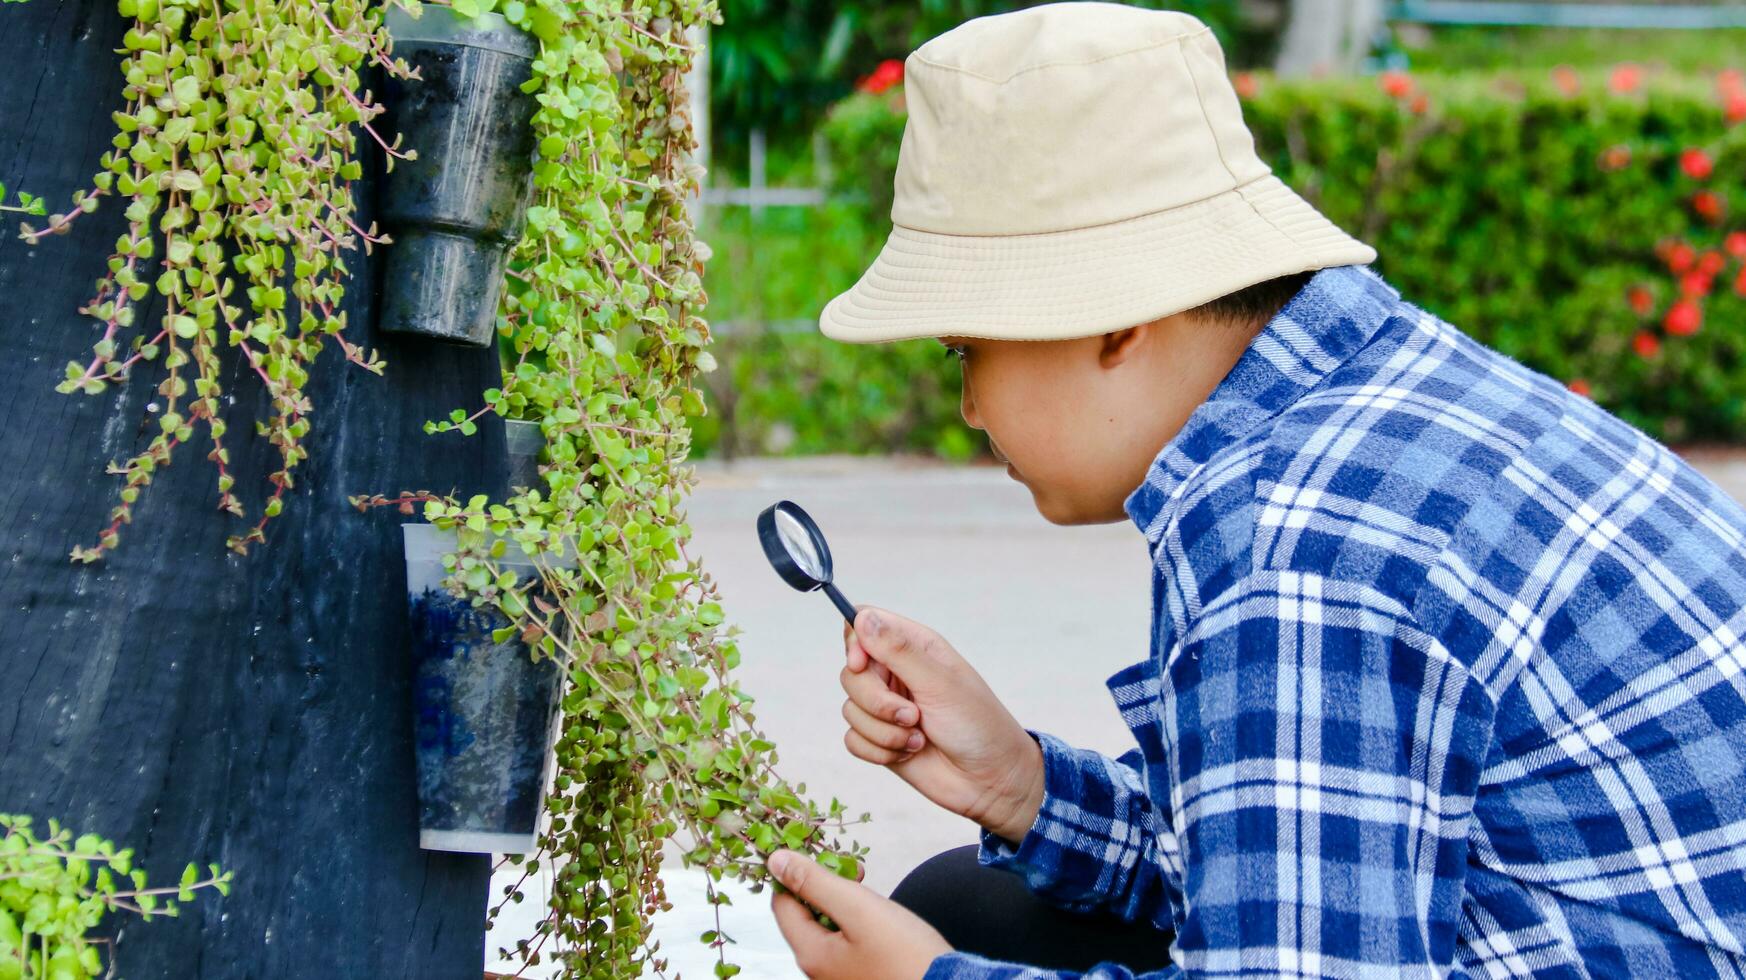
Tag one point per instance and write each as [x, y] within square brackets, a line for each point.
[1522, 213]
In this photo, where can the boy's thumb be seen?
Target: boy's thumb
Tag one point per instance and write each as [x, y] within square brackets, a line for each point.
[908, 648]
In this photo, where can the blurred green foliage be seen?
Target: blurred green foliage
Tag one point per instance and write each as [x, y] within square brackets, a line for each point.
[1525, 215]
[783, 388]
[1465, 48]
[1523, 207]
[779, 64]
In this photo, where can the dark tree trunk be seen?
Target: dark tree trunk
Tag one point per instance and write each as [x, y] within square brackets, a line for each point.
[181, 699]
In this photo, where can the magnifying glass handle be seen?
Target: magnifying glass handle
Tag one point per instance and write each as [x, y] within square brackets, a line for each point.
[843, 605]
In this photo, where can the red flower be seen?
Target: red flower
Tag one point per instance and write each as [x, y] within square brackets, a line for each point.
[1680, 257]
[1625, 78]
[1740, 283]
[1565, 77]
[1396, 83]
[1731, 80]
[889, 73]
[1246, 85]
[1616, 157]
[1735, 243]
[1734, 110]
[1696, 164]
[1641, 300]
[1646, 344]
[1695, 283]
[1707, 205]
[1579, 386]
[1711, 262]
[1684, 318]
[1420, 103]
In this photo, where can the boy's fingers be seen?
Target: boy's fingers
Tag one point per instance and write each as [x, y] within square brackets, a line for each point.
[811, 942]
[866, 751]
[877, 699]
[820, 887]
[881, 733]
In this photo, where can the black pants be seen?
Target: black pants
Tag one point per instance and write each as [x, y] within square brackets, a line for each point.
[991, 913]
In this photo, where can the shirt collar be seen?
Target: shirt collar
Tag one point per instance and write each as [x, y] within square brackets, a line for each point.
[1329, 320]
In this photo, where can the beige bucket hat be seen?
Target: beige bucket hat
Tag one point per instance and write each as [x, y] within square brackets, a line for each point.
[1071, 169]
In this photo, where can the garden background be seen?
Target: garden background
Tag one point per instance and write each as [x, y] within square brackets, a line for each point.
[1572, 197]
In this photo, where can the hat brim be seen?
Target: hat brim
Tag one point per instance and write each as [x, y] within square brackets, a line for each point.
[1087, 281]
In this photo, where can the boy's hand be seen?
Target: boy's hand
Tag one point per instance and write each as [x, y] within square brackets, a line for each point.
[880, 939]
[918, 708]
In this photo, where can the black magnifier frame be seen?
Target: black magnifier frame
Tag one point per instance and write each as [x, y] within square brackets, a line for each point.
[783, 560]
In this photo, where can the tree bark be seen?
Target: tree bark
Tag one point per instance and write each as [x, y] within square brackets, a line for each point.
[182, 700]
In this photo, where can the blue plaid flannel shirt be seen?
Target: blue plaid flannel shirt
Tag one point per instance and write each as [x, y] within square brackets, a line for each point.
[1446, 679]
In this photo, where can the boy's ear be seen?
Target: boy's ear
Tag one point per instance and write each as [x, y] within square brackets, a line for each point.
[1119, 345]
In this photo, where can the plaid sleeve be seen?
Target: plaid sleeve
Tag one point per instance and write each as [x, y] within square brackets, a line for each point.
[1096, 841]
[1324, 758]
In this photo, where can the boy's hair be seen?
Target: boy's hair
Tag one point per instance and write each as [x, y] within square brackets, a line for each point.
[1253, 304]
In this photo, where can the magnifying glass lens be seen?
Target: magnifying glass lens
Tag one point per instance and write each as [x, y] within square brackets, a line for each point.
[798, 543]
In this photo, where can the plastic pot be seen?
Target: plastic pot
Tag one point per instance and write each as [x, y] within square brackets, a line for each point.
[454, 212]
[483, 712]
[525, 441]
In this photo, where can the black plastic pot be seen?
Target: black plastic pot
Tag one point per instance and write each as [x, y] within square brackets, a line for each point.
[483, 712]
[454, 212]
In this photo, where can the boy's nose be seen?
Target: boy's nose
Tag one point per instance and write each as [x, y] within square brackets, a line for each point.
[967, 407]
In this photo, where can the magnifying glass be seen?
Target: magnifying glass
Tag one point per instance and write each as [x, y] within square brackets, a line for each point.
[797, 550]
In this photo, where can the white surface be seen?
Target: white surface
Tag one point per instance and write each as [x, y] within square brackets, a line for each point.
[471, 842]
[758, 947]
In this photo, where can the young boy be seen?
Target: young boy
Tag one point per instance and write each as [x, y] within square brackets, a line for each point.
[1445, 672]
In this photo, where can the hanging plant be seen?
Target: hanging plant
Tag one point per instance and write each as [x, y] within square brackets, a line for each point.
[601, 315]
[234, 156]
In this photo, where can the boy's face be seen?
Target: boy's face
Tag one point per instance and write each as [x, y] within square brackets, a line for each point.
[1080, 421]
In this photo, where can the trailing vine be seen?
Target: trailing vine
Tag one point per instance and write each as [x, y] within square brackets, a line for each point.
[235, 156]
[601, 314]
